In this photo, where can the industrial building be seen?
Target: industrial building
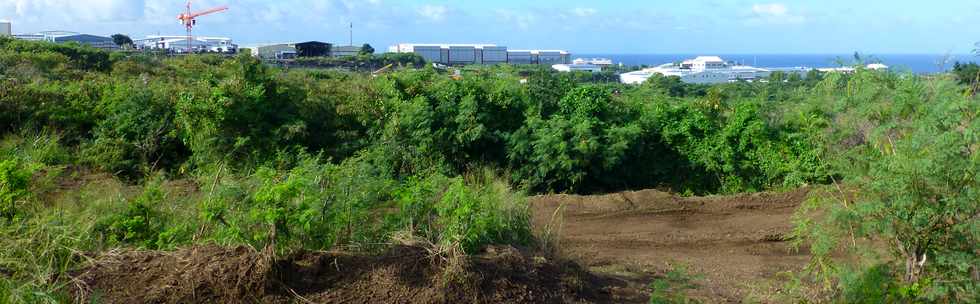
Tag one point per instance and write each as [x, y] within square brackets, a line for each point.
[346, 50]
[178, 44]
[577, 67]
[313, 49]
[5, 28]
[98, 42]
[301, 49]
[275, 51]
[464, 54]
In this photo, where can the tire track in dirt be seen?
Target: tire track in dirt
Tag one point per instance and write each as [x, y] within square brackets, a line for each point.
[735, 242]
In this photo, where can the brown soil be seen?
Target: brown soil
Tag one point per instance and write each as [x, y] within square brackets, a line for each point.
[624, 240]
[737, 243]
[214, 274]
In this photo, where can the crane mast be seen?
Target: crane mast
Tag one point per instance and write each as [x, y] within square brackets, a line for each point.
[189, 20]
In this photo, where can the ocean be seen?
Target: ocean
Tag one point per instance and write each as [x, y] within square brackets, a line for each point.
[919, 64]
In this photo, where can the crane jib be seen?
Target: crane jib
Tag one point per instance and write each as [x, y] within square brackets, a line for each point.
[188, 19]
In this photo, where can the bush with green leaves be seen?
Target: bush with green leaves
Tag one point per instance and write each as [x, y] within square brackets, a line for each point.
[138, 135]
[468, 213]
[144, 222]
[588, 135]
[14, 183]
[237, 112]
[916, 174]
[312, 205]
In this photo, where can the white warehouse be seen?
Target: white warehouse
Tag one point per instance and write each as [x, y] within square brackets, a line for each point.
[178, 44]
[5, 28]
[464, 54]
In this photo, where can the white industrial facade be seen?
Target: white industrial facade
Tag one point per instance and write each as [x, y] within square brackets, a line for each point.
[178, 44]
[5, 28]
[463, 54]
[98, 42]
[577, 67]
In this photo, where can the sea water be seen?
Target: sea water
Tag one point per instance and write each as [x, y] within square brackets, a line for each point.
[915, 63]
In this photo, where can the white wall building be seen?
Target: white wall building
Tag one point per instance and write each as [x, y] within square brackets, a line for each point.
[700, 70]
[5, 28]
[602, 62]
[99, 42]
[581, 67]
[463, 54]
[178, 44]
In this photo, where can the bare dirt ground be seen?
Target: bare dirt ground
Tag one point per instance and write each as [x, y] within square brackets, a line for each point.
[212, 274]
[736, 243]
[611, 248]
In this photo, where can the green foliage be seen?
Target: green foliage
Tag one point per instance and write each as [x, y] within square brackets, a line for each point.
[968, 74]
[80, 56]
[917, 175]
[362, 62]
[122, 40]
[673, 86]
[672, 288]
[394, 152]
[241, 115]
[482, 214]
[138, 135]
[589, 134]
[470, 212]
[14, 179]
[144, 223]
[367, 49]
[36, 253]
[312, 206]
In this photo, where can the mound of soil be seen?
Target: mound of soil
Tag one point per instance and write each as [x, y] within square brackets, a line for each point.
[737, 243]
[212, 274]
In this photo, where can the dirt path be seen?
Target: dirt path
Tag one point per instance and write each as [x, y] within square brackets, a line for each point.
[735, 242]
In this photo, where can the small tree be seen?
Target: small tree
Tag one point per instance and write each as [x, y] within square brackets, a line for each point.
[367, 49]
[122, 40]
[915, 195]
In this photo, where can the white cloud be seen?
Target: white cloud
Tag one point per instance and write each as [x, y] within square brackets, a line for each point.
[771, 9]
[77, 11]
[773, 13]
[584, 12]
[522, 19]
[433, 13]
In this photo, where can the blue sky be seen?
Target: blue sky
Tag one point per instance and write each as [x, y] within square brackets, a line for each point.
[630, 26]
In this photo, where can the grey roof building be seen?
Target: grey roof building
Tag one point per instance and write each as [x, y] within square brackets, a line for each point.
[313, 49]
[275, 51]
[98, 42]
[5, 28]
[346, 50]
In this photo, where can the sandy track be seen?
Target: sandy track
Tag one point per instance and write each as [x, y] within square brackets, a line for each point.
[735, 242]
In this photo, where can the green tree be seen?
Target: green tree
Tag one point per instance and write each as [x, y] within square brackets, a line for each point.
[367, 49]
[122, 40]
[916, 177]
[239, 112]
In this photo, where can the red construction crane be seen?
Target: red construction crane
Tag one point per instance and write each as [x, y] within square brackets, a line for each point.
[189, 20]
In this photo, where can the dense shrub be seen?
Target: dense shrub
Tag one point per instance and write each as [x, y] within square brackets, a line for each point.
[239, 114]
[138, 135]
[917, 171]
[14, 180]
[466, 213]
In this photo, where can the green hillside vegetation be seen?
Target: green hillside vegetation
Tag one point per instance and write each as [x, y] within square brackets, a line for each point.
[101, 151]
